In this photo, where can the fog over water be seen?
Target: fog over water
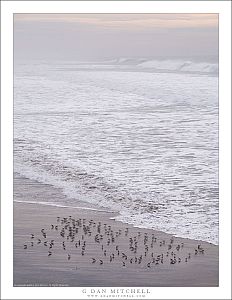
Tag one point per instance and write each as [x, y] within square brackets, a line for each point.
[101, 36]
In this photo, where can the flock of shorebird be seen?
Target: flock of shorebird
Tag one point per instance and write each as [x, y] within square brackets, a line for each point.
[86, 237]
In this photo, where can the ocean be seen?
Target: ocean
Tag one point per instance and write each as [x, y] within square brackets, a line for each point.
[134, 136]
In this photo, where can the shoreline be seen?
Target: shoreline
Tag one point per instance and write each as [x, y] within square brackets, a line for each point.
[113, 218]
[86, 206]
[34, 266]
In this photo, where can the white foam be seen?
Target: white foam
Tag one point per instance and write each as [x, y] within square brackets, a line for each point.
[143, 144]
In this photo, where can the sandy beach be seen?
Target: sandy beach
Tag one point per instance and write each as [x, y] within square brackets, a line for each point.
[60, 246]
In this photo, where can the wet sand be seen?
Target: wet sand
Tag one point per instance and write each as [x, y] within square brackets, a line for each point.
[58, 246]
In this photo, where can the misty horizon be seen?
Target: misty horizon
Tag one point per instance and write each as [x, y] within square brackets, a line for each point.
[99, 37]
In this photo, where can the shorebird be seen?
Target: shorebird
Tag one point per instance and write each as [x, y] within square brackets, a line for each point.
[25, 246]
[32, 235]
[172, 261]
[69, 256]
[125, 256]
[101, 262]
[94, 260]
[49, 253]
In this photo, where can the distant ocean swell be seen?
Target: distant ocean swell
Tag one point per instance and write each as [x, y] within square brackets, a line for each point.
[172, 65]
[168, 65]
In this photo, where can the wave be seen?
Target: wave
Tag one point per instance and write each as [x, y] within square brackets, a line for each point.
[180, 66]
[169, 65]
[144, 65]
[78, 184]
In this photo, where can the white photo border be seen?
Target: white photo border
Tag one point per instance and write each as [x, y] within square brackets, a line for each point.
[223, 8]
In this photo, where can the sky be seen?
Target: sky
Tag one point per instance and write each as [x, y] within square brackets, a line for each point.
[106, 36]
